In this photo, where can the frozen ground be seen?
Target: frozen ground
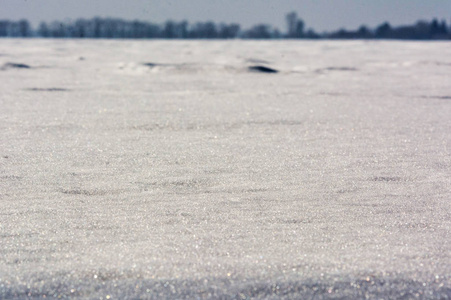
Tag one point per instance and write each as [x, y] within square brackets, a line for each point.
[167, 169]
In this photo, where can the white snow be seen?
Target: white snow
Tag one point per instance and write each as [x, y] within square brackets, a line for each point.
[194, 177]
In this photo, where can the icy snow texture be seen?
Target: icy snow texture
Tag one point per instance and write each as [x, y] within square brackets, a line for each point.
[167, 169]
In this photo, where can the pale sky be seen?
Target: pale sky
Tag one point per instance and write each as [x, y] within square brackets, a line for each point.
[321, 15]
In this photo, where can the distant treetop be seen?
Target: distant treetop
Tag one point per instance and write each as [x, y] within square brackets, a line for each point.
[114, 28]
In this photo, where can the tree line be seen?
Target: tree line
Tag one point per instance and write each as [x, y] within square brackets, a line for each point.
[117, 28]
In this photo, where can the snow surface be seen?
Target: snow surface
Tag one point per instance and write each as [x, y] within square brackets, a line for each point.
[167, 169]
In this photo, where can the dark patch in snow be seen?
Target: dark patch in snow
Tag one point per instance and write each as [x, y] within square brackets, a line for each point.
[294, 221]
[437, 63]
[15, 66]
[386, 178]
[255, 190]
[262, 69]
[94, 192]
[226, 126]
[47, 89]
[346, 191]
[10, 177]
[204, 68]
[443, 64]
[332, 94]
[153, 65]
[346, 69]
[275, 122]
[436, 97]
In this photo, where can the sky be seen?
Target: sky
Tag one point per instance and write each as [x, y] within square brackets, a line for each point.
[321, 15]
